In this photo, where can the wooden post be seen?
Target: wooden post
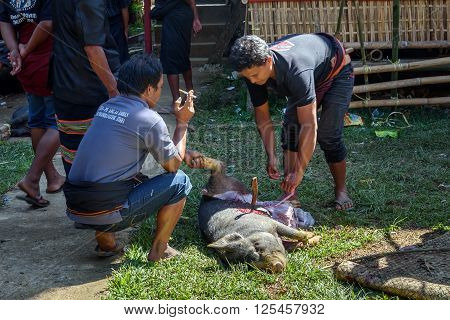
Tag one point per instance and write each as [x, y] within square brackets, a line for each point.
[147, 27]
[395, 39]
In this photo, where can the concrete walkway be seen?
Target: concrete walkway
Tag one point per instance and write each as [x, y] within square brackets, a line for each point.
[43, 256]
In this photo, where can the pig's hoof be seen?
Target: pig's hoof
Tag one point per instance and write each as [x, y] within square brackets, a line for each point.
[303, 236]
[314, 240]
[214, 165]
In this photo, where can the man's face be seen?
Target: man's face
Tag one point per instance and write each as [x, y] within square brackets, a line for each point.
[258, 74]
[153, 94]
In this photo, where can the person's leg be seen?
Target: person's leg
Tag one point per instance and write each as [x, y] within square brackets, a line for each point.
[43, 141]
[54, 180]
[174, 85]
[166, 220]
[330, 134]
[175, 48]
[165, 195]
[45, 150]
[187, 76]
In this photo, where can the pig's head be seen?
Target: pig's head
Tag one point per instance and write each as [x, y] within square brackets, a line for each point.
[261, 249]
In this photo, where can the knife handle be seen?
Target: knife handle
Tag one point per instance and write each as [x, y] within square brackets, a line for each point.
[254, 190]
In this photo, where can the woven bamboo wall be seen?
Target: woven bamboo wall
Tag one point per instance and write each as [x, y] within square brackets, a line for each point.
[421, 20]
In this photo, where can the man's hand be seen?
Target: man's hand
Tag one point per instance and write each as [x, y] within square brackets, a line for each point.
[23, 50]
[196, 26]
[272, 170]
[16, 61]
[194, 159]
[185, 112]
[291, 182]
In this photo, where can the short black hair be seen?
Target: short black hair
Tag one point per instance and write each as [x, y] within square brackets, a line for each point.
[138, 73]
[247, 52]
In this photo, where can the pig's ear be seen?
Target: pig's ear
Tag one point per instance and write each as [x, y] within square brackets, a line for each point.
[226, 242]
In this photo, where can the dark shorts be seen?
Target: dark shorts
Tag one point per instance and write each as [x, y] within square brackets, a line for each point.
[176, 40]
[147, 198]
[335, 104]
[41, 112]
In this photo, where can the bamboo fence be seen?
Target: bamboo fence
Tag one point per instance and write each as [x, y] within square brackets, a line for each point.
[421, 21]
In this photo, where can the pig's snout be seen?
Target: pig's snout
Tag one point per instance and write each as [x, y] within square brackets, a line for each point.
[275, 262]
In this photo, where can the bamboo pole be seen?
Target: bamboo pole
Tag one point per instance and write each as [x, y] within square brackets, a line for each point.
[400, 102]
[361, 41]
[401, 84]
[401, 45]
[339, 21]
[395, 39]
[402, 66]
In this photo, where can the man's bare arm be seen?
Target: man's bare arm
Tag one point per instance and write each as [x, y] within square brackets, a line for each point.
[265, 128]
[183, 114]
[9, 36]
[307, 118]
[99, 64]
[197, 26]
[40, 34]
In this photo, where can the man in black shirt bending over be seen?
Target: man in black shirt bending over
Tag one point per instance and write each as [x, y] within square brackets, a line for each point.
[310, 70]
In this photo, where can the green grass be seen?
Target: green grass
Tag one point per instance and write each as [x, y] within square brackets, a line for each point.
[15, 159]
[394, 184]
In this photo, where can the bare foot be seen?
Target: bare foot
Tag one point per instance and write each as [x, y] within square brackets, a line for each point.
[168, 253]
[54, 184]
[32, 191]
[342, 201]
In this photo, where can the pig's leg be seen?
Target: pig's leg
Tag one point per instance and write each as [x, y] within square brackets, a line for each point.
[292, 233]
[214, 165]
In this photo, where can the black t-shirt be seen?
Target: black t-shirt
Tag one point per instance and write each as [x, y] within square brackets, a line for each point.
[76, 24]
[114, 7]
[18, 12]
[301, 62]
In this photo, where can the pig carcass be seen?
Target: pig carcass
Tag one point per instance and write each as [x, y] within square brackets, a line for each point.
[238, 231]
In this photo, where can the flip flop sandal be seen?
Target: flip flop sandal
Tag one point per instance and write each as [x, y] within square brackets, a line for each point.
[104, 254]
[55, 191]
[37, 202]
[341, 204]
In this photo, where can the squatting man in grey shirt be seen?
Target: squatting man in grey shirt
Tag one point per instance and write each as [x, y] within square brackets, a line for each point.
[105, 190]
